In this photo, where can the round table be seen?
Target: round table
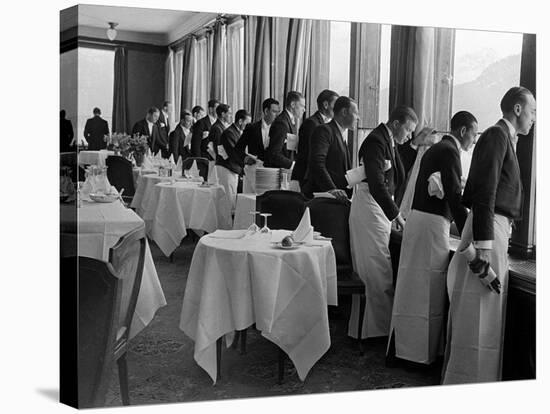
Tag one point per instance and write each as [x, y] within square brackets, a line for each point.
[94, 157]
[236, 282]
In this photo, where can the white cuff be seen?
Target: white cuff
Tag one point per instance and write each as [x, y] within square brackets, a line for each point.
[483, 244]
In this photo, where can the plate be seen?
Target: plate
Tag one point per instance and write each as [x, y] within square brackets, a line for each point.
[278, 245]
[103, 198]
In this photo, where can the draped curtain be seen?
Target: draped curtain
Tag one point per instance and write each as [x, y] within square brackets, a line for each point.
[279, 40]
[178, 75]
[250, 24]
[209, 59]
[201, 70]
[318, 77]
[218, 65]
[261, 74]
[298, 54]
[235, 65]
[188, 74]
[170, 86]
[119, 121]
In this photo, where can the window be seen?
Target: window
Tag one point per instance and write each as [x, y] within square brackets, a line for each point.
[339, 66]
[486, 65]
[95, 85]
[384, 96]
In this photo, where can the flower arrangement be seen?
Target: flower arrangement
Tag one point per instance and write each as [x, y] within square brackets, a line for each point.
[126, 144]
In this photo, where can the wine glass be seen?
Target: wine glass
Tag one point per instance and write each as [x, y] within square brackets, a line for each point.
[254, 214]
[265, 229]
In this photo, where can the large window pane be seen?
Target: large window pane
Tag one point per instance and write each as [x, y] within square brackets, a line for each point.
[95, 85]
[340, 43]
[486, 65]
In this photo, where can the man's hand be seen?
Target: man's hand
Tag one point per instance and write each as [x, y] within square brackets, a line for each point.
[339, 194]
[399, 222]
[483, 254]
[249, 160]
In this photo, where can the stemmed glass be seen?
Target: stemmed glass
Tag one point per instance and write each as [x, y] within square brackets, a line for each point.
[253, 225]
[265, 229]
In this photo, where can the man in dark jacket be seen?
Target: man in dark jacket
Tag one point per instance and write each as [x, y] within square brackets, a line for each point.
[255, 138]
[223, 113]
[148, 127]
[282, 129]
[180, 137]
[324, 113]
[201, 130]
[163, 122]
[95, 130]
[66, 134]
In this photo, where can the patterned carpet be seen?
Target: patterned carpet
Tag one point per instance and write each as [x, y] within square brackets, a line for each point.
[162, 369]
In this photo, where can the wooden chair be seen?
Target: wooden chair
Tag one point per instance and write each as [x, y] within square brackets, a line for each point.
[330, 217]
[99, 294]
[202, 165]
[127, 258]
[286, 207]
[121, 175]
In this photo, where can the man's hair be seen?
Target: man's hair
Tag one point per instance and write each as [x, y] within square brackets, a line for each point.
[184, 114]
[325, 96]
[221, 109]
[268, 102]
[152, 110]
[462, 119]
[241, 114]
[62, 113]
[196, 109]
[403, 114]
[343, 102]
[292, 96]
[96, 111]
[515, 95]
[165, 104]
[213, 102]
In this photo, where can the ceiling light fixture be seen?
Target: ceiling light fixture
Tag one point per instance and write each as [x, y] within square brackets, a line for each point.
[111, 31]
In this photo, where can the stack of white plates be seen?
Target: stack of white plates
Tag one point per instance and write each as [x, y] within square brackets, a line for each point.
[267, 179]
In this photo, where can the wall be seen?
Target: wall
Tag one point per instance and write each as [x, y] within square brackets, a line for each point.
[145, 82]
[68, 91]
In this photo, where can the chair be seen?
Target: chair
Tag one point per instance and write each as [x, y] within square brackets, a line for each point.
[286, 207]
[69, 159]
[202, 165]
[330, 217]
[99, 293]
[120, 173]
[127, 258]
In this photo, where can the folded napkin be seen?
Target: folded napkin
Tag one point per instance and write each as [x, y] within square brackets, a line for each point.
[147, 164]
[148, 153]
[304, 231]
[291, 142]
[435, 186]
[228, 234]
[194, 171]
[179, 164]
[171, 159]
[212, 173]
[355, 176]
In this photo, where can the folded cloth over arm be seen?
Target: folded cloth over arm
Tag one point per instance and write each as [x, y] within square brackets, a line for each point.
[435, 186]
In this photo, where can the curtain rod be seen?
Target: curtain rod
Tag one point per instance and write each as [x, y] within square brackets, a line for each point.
[224, 19]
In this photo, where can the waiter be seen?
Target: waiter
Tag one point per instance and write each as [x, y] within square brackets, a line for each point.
[418, 313]
[372, 212]
[495, 195]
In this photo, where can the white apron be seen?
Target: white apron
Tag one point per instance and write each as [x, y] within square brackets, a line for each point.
[475, 330]
[419, 304]
[229, 180]
[369, 241]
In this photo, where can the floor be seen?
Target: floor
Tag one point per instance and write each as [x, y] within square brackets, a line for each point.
[162, 369]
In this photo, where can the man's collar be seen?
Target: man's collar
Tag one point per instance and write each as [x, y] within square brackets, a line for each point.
[149, 122]
[264, 124]
[457, 142]
[325, 118]
[511, 128]
[212, 119]
[291, 116]
[389, 130]
[342, 130]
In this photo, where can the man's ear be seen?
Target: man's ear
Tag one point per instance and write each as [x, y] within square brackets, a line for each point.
[517, 109]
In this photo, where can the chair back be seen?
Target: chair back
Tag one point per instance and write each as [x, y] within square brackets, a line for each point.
[120, 173]
[286, 207]
[127, 257]
[330, 217]
[202, 165]
[69, 160]
[99, 292]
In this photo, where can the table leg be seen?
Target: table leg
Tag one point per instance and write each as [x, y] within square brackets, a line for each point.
[219, 344]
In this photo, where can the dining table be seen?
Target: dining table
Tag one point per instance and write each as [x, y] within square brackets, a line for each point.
[238, 278]
[96, 227]
[98, 158]
[170, 206]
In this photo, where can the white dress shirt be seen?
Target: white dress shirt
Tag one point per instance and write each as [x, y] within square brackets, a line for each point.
[187, 134]
[513, 132]
[150, 125]
[265, 133]
[212, 119]
[343, 132]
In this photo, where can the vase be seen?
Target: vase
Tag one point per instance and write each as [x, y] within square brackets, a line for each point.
[138, 156]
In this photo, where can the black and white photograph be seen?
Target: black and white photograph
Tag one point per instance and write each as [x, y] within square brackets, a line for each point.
[291, 203]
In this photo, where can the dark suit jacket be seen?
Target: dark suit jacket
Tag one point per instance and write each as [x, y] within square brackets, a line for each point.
[198, 144]
[94, 131]
[66, 135]
[329, 160]
[445, 158]
[177, 144]
[154, 140]
[276, 155]
[305, 134]
[494, 184]
[215, 134]
[252, 138]
[235, 160]
[375, 150]
[163, 130]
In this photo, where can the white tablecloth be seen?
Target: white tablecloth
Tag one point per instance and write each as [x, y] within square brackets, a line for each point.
[94, 157]
[245, 204]
[170, 209]
[235, 283]
[100, 226]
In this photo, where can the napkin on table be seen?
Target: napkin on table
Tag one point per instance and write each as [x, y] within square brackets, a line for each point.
[194, 171]
[435, 186]
[179, 164]
[228, 234]
[212, 173]
[171, 159]
[304, 231]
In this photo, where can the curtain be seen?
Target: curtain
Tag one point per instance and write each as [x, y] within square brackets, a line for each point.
[120, 92]
[235, 65]
[209, 59]
[170, 86]
[318, 76]
[279, 39]
[298, 54]
[217, 85]
[250, 24]
[178, 75]
[202, 73]
[261, 76]
[188, 74]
